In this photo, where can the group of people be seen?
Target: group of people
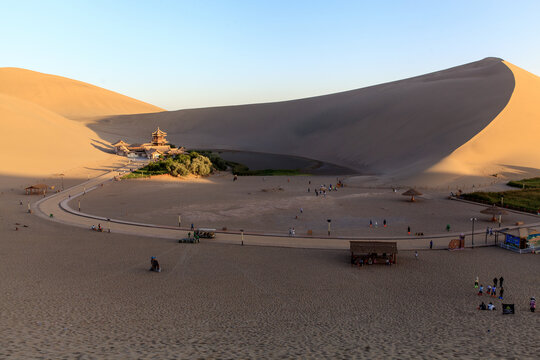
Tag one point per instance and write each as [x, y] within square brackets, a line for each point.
[376, 224]
[491, 290]
[99, 228]
[292, 232]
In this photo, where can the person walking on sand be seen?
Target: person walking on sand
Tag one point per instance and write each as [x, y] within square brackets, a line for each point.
[481, 290]
[384, 222]
[376, 224]
[501, 279]
[476, 283]
[495, 282]
[494, 291]
[370, 223]
[532, 304]
[301, 210]
[416, 254]
[430, 244]
[489, 290]
[501, 292]
[409, 230]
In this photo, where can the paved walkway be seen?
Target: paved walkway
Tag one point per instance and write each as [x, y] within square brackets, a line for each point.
[56, 207]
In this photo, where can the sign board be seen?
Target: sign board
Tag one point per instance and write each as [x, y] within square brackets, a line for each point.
[508, 309]
[512, 240]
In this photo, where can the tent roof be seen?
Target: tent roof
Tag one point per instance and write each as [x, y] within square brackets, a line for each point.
[494, 210]
[412, 192]
[37, 186]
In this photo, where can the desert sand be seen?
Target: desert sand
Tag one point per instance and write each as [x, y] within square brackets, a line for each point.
[68, 292]
[272, 205]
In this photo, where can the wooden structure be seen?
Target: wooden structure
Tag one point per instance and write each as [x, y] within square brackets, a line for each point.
[158, 137]
[373, 252]
[38, 189]
[151, 150]
[412, 193]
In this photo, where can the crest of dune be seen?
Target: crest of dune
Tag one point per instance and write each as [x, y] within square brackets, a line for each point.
[39, 116]
[510, 140]
[70, 98]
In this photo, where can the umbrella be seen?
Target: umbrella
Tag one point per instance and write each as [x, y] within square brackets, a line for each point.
[412, 193]
[495, 211]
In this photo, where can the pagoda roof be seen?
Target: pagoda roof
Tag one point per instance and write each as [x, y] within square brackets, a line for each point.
[159, 132]
[120, 143]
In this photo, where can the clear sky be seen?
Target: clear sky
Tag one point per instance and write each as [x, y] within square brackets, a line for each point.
[185, 54]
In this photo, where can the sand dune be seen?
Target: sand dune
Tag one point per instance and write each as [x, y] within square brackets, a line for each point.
[39, 116]
[469, 120]
[41, 142]
[70, 98]
[398, 129]
[510, 140]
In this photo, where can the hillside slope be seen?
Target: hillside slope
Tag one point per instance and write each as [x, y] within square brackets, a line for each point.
[397, 129]
[40, 142]
[509, 141]
[69, 98]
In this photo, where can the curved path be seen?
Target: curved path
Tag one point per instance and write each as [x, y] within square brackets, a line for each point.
[56, 207]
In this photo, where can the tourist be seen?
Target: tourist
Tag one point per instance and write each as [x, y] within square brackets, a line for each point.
[491, 307]
[93, 227]
[447, 227]
[416, 254]
[482, 306]
[501, 292]
[494, 291]
[154, 264]
[370, 223]
[293, 232]
[376, 224]
[409, 230]
[489, 290]
[476, 283]
[384, 222]
[431, 244]
[192, 227]
[99, 227]
[481, 290]
[495, 282]
[501, 279]
[316, 192]
[301, 210]
[532, 304]
[308, 189]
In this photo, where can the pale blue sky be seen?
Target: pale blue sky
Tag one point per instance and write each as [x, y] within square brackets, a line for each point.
[185, 54]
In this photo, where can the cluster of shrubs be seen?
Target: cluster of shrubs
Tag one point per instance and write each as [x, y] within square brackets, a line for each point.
[182, 165]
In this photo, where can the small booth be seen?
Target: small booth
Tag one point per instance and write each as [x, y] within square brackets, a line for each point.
[521, 240]
[38, 189]
[373, 252]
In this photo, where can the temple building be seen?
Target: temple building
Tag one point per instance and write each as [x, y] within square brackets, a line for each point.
[152, 150]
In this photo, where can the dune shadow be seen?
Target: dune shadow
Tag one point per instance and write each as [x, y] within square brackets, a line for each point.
[106, 149]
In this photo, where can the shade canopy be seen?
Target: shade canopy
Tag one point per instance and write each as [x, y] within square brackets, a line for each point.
[494, 210]
[412, 192]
